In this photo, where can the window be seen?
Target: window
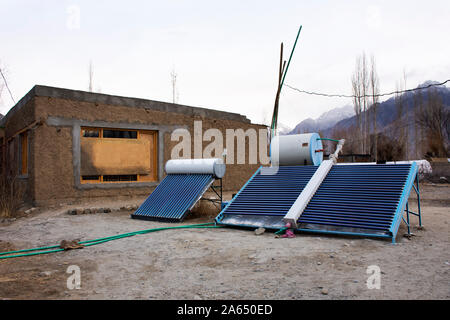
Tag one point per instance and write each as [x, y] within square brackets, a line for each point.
[110, 178]
[90, 133]
[120, 178]
[91, 178]
[123, 134]
[108, 133]
[23, 167]
[110, 155]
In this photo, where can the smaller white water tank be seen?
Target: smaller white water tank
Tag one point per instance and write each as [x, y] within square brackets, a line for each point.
[213, 166]
[296, 149]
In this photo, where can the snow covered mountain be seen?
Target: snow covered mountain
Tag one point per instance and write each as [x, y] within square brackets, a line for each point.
[325, 121]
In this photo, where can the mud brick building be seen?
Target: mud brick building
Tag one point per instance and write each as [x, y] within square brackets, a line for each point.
[64, 145]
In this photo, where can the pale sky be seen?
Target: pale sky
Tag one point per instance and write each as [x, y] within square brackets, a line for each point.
[226, 53]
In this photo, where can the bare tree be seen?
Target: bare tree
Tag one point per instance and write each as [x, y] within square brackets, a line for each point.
[365, 87]
[399, 107]
[175, 94]
[374, 89]
[352, 142]
[360, 86]
[356, 89]
[418, 132]
[4, 84]
[91, 77]
[407, 123]
[435, 120]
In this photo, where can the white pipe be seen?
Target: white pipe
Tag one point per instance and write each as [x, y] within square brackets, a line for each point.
[307, 193]
[311, 188]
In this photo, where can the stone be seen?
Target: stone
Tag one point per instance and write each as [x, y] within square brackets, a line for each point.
[87, 211]
[79, 210]
[319, 263]
[107, 210]
[408, 235]
[324, 291]
[259, 231]
[72, 212]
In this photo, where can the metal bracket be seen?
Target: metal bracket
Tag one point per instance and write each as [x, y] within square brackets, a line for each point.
[219, 193]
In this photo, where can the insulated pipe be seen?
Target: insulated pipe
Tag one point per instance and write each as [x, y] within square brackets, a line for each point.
[311, 188]
[307, 193]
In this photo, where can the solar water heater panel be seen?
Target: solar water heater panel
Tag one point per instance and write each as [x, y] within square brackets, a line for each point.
[174, 197]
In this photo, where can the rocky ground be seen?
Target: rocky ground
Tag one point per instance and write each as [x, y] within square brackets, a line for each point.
[221, 263]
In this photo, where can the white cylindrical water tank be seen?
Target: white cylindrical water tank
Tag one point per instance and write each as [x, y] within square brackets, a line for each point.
[296, 149]
[213, 166]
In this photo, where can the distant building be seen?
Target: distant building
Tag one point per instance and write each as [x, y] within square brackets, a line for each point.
[66, 145]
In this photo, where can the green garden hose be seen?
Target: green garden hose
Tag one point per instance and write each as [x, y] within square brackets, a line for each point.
[328, 139]
[87, 243]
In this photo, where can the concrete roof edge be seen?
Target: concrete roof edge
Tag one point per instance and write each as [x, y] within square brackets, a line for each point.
[78, 95]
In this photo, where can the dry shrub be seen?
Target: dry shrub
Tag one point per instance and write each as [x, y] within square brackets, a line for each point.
[11, 196]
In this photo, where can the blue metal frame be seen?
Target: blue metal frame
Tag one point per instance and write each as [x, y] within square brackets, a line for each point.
[362, 234]
[403, 201]
[419, 213]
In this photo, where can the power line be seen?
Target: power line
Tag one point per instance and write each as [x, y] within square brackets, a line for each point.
[366, 95]
[7, 87]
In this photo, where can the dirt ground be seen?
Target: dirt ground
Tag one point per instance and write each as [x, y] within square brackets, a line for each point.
[224, 263]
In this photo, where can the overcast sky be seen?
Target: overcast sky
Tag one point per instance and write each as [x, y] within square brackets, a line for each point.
[225, 53]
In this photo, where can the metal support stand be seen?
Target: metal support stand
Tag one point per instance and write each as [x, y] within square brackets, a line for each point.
[219, 193]
[419, 213]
